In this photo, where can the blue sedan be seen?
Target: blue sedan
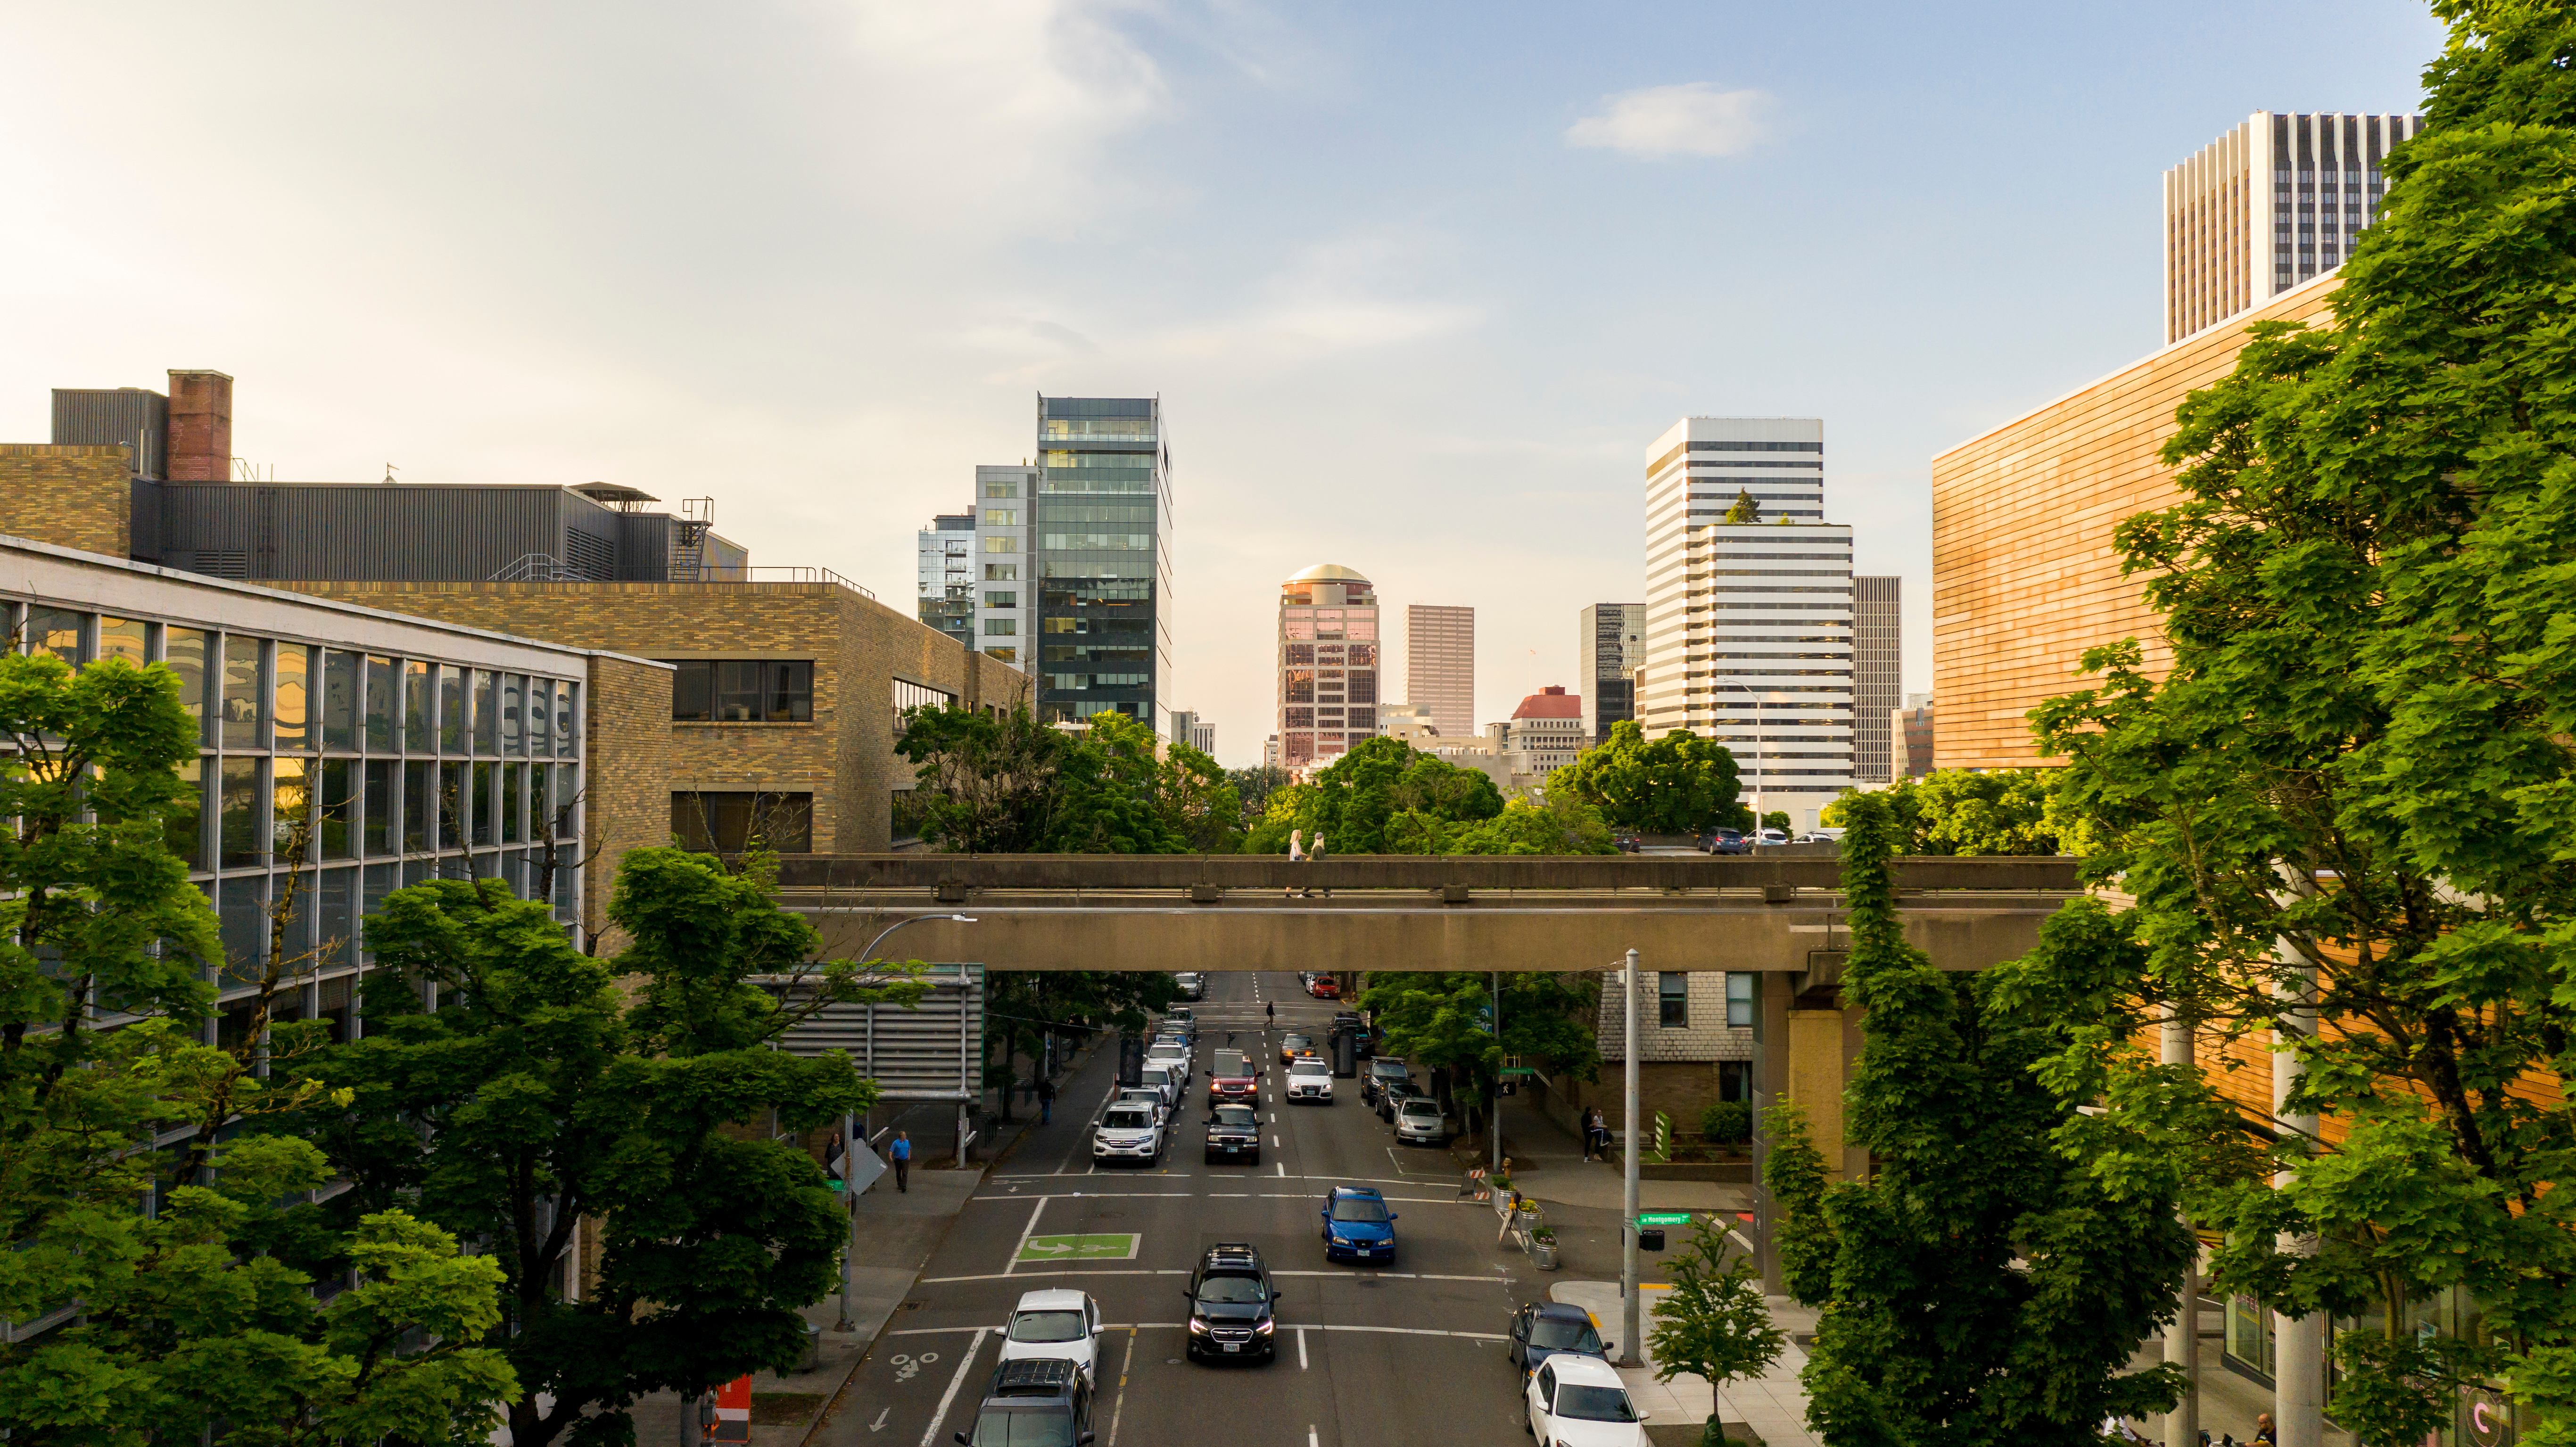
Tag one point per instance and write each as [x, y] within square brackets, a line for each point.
[1357, 1225]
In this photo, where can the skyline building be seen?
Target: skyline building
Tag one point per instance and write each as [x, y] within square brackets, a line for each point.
[1098, 529]
[1546, 732]
[946, 594]
[2271, 204]
[1440, 665]
[1878, 676]
[1000, 596]
[1748, 633]
[1328, 665]
[1610, 643]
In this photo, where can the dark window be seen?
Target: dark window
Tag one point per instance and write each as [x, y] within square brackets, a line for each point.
[743, 690]
[415, 811]
[380, 806]
[726, 823]
[1672, 999]
[238, 825]
[338, 809]
[341, 686]
[186, 820]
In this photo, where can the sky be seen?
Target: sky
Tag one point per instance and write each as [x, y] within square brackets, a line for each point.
[1417, 283]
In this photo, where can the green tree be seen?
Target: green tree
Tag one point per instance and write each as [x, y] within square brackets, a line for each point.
[1443, 1020]
[986, 782]
[1714, 1323]
[1557, 824]
[1963, 811]
[2351, 790]
[1745, 510]
[189, 1322]
[1361, 803]
[1255, 786]
[1677, 784]
[548, 1088]
[1982, 1286]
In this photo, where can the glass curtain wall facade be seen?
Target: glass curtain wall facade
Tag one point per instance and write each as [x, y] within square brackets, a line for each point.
[1328, 665]
[327, 777]
[1099, 537]
[1610, 644]
[946, 597]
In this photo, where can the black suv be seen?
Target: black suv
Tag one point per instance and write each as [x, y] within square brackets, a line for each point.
[1234, 1132]
[1232, 1305]
[1033, 1402]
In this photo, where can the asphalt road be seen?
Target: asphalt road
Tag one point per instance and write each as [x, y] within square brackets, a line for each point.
[1401, 1354]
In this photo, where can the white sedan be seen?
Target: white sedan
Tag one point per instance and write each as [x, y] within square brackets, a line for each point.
[1577, 1401]
[1064, 1325]
[1310, 1080]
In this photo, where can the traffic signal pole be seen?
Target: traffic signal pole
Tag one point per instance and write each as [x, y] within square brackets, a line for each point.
[1630, 1318]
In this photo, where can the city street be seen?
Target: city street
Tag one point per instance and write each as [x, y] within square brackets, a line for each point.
[1402, 1354]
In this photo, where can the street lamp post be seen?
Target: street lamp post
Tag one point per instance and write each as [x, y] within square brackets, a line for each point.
[850, 1131]
[1631, 1320]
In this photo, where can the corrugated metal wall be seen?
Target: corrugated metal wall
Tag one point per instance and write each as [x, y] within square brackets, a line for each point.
[357, 532]
[104, 417]
[934, 1051]
[644, 547]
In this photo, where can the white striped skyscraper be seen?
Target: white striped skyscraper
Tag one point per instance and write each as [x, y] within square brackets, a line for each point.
[2273, 203]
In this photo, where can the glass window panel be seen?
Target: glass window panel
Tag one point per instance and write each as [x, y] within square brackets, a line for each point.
[342, 682]
[1739, 998]
[452, 805]
[123, 638]
[541, 717]
[187, 818]
[420, 708]
[382, 705]
[337, 824]
[382, 880]
[693, 690]
[514, 715]
[791, 691]
[540, 822]
[1672, 999]
[479, 806]
[417, 787]
[290, 919]
[728, 822]
[452, 735]
[737, 690]
[487, 712]
[567, 703]
[242, 692]
[290, 813]
[56, 631]
[184, 651]
[238, 825]
[514, 790]
[378, 807]
[567, 801]
[241, 910]
[338, 995]
[293, 699]
[419, 870]
[567, 880]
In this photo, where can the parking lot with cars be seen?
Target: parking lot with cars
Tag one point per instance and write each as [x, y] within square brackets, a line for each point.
[1351, 1329]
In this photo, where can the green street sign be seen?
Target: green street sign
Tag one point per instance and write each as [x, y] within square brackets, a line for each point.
[1663, 1218]
[1517, 1070]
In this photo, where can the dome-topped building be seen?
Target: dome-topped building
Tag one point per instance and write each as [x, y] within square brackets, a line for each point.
[1328, 665]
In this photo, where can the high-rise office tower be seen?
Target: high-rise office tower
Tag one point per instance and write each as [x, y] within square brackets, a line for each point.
[1748, 605]
[1100, 554]
[947, 577]
[1878, 676]
[1610, 641]
[1002, 588]
[2275, 202]
[1440, 665]
[1328, 665]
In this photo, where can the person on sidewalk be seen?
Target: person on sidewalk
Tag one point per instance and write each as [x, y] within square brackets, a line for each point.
[1046, 1100]
[901, 1154]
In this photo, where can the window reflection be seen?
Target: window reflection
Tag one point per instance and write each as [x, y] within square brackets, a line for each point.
[184, 651]
[123, 638]
[243, 695]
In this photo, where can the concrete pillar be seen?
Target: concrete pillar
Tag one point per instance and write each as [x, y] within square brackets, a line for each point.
[2299, 1345]
[1768, 1087]
[1816, 1082]
[2182, 1339]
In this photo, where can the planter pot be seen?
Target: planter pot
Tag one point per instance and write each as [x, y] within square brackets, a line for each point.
[1542, 1254]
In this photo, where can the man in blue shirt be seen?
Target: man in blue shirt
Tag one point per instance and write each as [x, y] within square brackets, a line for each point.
[901, 1154]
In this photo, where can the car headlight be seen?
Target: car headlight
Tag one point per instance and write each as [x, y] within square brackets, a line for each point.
[1263, 1326]
[1341, 1241]
[1198, 1325]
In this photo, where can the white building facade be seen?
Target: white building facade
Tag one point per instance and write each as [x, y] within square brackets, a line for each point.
[1749, 623]
[1004, 603]
[2275, 203]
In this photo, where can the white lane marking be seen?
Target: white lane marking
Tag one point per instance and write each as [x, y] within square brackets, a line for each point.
[1118, 1408]
[1034, 1213]
[1301, 1349]
[1274, 1144]
[1283, 1168]
[948, 1398]
[1274, 1117]
[879, 1424]
[1064, 1271]
[1211, 1195]
[1310, 1438]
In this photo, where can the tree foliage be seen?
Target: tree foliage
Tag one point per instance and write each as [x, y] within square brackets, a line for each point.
[1382, 797]
[1443, 1020]
[1255, 786]
[1963, 811]
[1007, 784]
[1714, 1323]
[190, 1322]
[2352, 786]
[1983, 1286]
[1677, 784]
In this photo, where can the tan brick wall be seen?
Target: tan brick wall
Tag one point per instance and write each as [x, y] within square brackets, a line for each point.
[2024, 578]
[71, 497]
[626, 802]
[845, 757]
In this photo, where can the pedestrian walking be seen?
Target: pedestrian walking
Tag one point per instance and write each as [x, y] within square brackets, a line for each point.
[1316, 854]
[1046, 1100]
[1296, 855]
[1269, 1013]
[901, 1154]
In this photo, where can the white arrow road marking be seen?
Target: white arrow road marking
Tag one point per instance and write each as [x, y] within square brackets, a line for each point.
[879, 1424]
[948, 1398]
[1047, 1247]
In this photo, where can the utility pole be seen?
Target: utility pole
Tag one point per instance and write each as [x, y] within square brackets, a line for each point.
[1494, 1123]
[1630, 1318]
[850, 1199]
[2299, 1350]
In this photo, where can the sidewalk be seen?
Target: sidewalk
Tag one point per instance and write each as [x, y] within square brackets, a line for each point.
[1774, 1404]
[1548, 1165]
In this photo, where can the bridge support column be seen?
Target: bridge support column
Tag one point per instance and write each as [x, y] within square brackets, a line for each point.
[1769, 1087]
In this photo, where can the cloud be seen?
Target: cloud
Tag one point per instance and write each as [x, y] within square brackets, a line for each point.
[1696, 119]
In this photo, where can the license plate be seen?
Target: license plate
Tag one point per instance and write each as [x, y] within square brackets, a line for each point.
[1232, 1346]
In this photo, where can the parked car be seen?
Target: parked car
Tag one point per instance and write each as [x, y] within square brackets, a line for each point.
[1545, 1328]
[1127, 1132]
[1232, 1077]
[1310, 1080]
[1394, 1096]
[1233, 1309]
[1725, 841]
[1234, 1132]
[1579, 1402]
[1383, 1072]
[1293, 1045]
[1039, 1399]
[1420, 1121]
[1324, 987]
[1057, 1323]
[1171, 1057]
[1769, 837]
[1193, 984]
[1625, 841]
[1165, 1079]
[1357, 1225]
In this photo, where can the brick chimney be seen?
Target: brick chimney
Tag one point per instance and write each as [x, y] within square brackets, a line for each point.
[200, 445]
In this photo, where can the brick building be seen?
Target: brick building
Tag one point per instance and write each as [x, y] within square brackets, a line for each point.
[1694, 1047]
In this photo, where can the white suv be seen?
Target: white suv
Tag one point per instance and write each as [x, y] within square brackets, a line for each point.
[1128, 1133]
[1310, 1080]
[1058, 1324]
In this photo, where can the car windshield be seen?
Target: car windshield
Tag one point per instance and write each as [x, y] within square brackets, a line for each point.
[1295, 1042]
[1594, 1404]
[1236, 1115]
[1304, 1066]
[1359, 1208]
[1232, 1289]
[1047, 1326]
[1127, 1120]
[1419, 1106]
[1043, 1427]
[1559, 1335]
[1391, 1069]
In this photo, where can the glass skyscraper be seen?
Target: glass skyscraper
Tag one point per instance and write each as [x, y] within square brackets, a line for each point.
[1099, 538]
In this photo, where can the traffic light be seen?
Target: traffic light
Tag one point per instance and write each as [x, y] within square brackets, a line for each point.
[1650, 1238]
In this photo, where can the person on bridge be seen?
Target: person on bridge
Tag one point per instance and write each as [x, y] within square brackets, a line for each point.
[1296, 854]
[901, 1154]
[1317, 854]
[1046, 1100]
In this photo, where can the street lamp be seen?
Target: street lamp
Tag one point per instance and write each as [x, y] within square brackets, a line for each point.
[850, 1131]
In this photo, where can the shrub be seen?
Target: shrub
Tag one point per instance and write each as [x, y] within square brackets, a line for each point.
[1727, 1122]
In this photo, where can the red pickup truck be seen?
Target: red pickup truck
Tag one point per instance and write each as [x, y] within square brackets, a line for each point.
[1231, 1079]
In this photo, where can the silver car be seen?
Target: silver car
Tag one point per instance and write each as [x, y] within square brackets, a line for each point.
[1419, 1121]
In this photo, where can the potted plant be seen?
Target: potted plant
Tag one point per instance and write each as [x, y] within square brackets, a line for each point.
[1542, 1248]
[1714, 1324]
